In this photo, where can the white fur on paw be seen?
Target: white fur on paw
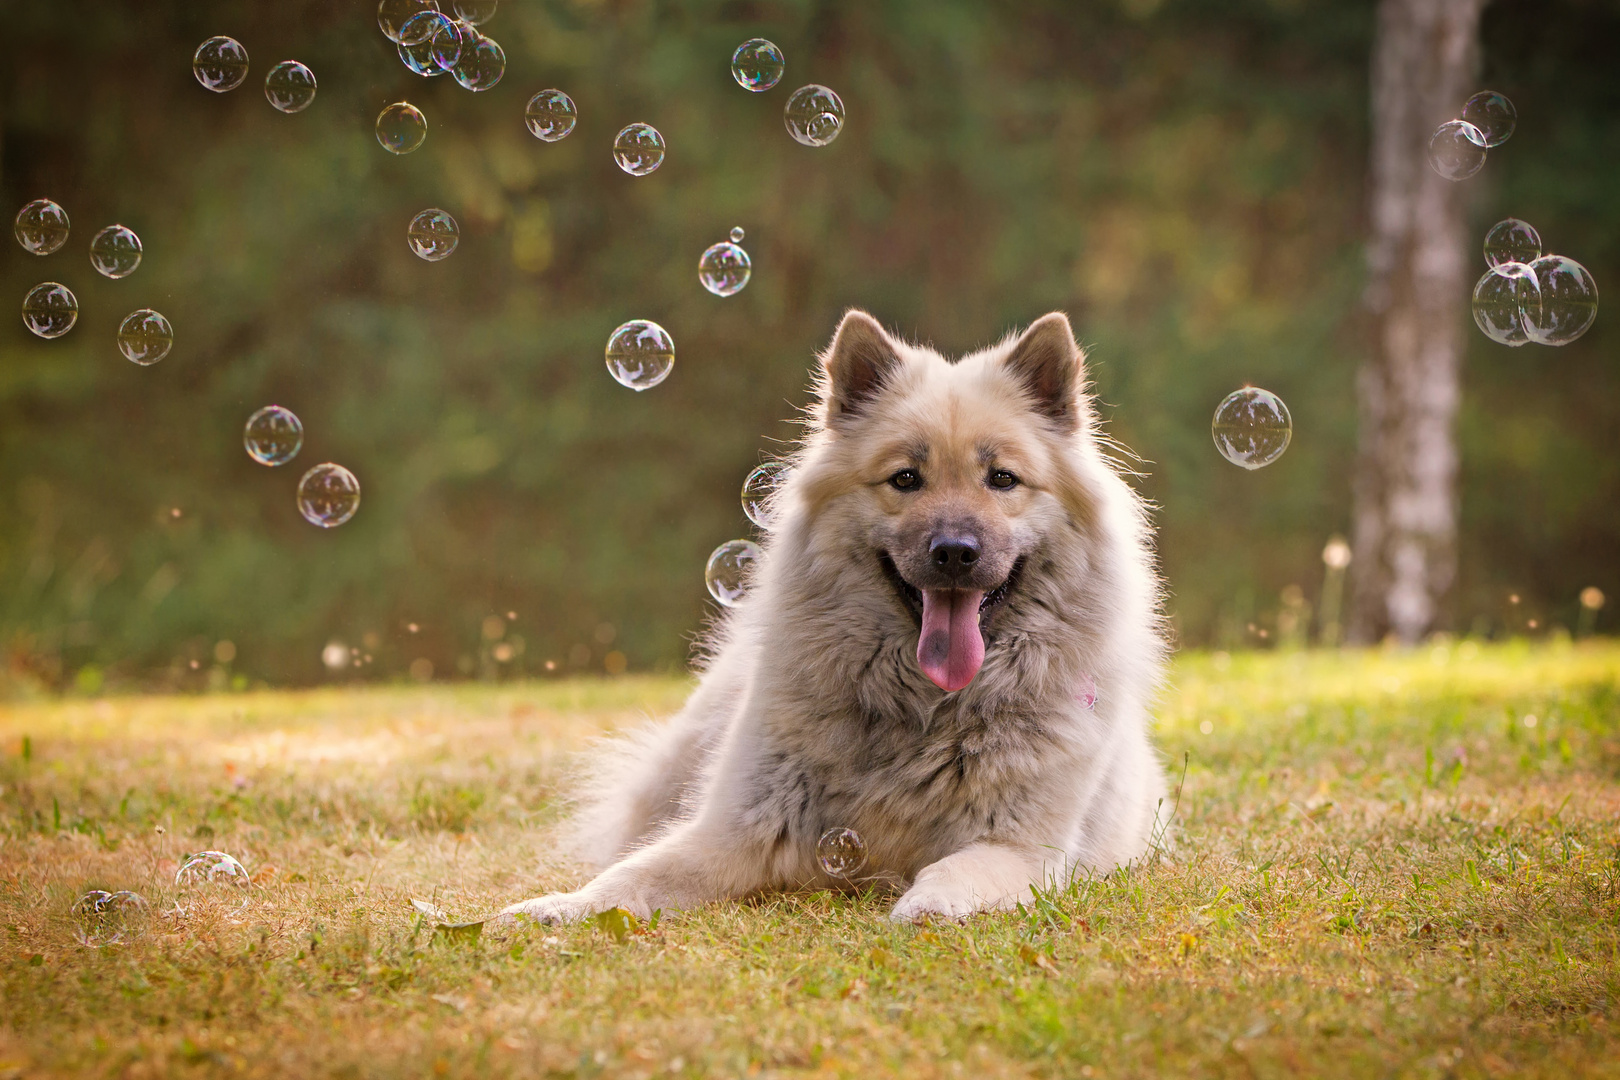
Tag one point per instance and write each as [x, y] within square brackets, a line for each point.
[939, 899]
[549, 910]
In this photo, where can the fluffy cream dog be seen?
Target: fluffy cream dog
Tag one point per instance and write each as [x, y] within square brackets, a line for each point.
[950, 647]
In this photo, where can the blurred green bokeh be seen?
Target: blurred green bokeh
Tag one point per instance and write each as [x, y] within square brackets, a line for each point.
[1186, 179]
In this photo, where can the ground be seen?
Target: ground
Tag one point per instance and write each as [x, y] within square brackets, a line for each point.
[1382, 864]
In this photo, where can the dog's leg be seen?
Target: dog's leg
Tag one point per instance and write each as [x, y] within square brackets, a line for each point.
[985, 876]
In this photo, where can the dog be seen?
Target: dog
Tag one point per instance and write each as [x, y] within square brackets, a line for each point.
[950, 646]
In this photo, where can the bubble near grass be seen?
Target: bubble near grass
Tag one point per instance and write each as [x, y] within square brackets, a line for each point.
[115, 251]
[1493, 115]
[481, 66]
[814, 115]
[102, 918]
[1568, 301]
[1512, 240]
[433, 235]
[757, 490]
[328, 495]
[841, 853]
[41, 227]
[640, 354]
[729, 569]
[401, 128]
[1252, 427]
[638, 149]
[220, 64]
[1502, 301]
[724, 268]
[145, 337]
[551, 115]
[212, 878]
[392, 15]
[289, 87]
[1457, 150]
[50, 309]
[757, 65]
[273, 435]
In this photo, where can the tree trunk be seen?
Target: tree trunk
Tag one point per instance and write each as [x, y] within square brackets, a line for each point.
[1405, 514]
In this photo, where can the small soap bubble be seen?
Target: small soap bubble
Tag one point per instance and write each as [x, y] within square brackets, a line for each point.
[145, 337]
[476, 11]
[481, 66]
[41, 227]
[115, 251]
[724, 268]
[50, 309]
[1503, 300]
[273, 435]
[392, 15]
[290, 87]
[433, 235]
[1493, 115]
[737, 234]
[638, 149]
[757, 490]
[1252, 427]
[814, 115]
[551, 115]
[841, 852]
[328, 495]
[640, 354]
[102, 918]
[1512, 240]
[453, 39]
[418, 39]
[1569, 301]
[757, 65]
[729, 568]
[220, 64]
[1457, 150]
[401, 128]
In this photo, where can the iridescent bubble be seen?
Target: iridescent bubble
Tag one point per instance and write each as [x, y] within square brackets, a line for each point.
[1493, 114]
[729, 568]
[433, 235]
[115, 251]
[481, 66]
[1569, 301]
[102, 918]
[551, 115]
[220, 64]
[273, 435]
[1457, 150]
[757, 490]
[401, 128]
[737, 234]
[328, 495]
[814, 115]
[724, 268]
[757, 65]
[841, 852]
[1512, 240]
[41, 227]
[638, 149]
[290, 86]
[1252, 427]
[50, 309]
[453, 39]
[640, 354]
[212, 879]
[392, 15]
[419, 39]
[1502, 301]
[476, 11]
[145, 337]
[423, 27]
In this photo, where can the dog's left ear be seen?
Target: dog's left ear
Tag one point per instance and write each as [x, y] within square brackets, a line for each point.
[1048, 363]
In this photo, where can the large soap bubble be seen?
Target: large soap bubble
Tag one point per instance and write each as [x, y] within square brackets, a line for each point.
[551, 115]
[1568, 301]
[419, 38]
[1512, 240]
[758, 489]
[145, 337]
[814, 115]
[102, 918]
[640, 354]
[1493, 115]
[729, 569]
[41, 227]
[638, 149]
[1252, 427]
[273, 435]
[1502, 301]
[50, 309]
[1457, 150]
[290, 87]
[757, 65]
[401, 128]
[433, 235]
[115, 251]
[841, 853]
[392, 15]
[724, 268]
[220, 64]
[481, 66]
[328, 495]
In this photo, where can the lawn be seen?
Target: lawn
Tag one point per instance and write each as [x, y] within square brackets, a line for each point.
[1382, 864]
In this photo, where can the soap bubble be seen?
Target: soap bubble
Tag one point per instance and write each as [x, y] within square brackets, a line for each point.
[145, 337]
[401, 128]
[476, 11]
[423, 27]
[1503, 299]
[41, 227]
[328, 495]
[50, 310]
[115, 251]
[1569, 301]
[433, 234]
[482, 66]
[1252, 427]
[757, 490]
[102, 918]
[220, 64]
[273, 435]
[737, 234]
[1493, 115]
[451, 41]
[757, 65]
[814, 115]
[392, 15]
[640, 354]
[724, 268]
[638, 149]
[290, 86]
[1512, 240]
[551, 115]
[213, 879]
[417, 40]
[1457, 150]
[729, 568]
[841, 852]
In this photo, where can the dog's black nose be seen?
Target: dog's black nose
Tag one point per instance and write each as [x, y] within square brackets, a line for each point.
[954, 553]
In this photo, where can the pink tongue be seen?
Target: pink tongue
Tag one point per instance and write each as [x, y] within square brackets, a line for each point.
[951, 648]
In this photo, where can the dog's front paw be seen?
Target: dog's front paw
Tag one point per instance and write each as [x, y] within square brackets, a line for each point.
[548, 910]
[936, 899]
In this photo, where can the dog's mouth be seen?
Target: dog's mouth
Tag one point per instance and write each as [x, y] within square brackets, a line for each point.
[950, 623]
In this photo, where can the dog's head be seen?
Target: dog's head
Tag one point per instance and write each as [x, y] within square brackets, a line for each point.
[947, 476]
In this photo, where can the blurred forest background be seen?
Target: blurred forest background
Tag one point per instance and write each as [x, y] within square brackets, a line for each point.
[1186, 178]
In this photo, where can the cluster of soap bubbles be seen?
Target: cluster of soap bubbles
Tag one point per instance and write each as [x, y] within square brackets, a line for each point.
[731, 566]
[432, 43]
[102, 918]
[221, 65]
[205, 880]
[1457, 148]
[841, 853]
[1527, 296]
[1251, 427]
[328, 494]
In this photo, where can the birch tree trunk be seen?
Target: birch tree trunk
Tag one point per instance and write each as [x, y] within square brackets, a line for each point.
[1405, 535]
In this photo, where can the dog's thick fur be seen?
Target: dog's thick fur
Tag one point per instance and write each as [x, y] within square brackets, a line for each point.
[815, 711]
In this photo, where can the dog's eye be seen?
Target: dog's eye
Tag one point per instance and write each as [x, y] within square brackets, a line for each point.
[906, 480]
[1001, 479]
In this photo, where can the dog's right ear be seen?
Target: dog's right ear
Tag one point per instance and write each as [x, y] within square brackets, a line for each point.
[856, 364]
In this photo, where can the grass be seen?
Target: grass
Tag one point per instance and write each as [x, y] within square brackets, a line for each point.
[1381, 868]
